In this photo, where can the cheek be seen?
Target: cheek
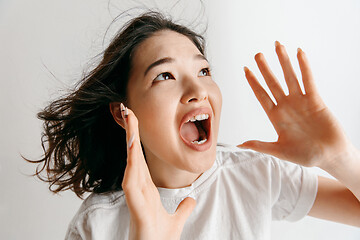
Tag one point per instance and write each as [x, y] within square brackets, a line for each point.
[216, 103]
[219, 97]
[216, 98]
[157, 119]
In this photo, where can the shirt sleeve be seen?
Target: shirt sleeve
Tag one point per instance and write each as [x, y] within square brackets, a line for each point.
[294, 190]
[72, 234]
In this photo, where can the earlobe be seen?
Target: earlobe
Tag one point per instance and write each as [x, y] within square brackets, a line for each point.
[116, 113]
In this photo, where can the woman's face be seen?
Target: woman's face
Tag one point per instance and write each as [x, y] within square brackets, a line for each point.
[169, 88]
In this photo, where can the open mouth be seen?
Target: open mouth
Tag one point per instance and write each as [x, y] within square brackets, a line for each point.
[195, 128]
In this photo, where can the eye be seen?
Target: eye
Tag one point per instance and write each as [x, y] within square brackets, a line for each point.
[204, 72]
[164, 76]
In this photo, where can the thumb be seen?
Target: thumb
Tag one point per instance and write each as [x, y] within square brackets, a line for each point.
[264, 147]
[184, 210]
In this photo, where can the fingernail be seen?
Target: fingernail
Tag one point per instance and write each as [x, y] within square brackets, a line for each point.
[246, 69]
[190, 195]
[277, 43]
[299, 50]
[122, 108]
[131, 140]
[126, 112]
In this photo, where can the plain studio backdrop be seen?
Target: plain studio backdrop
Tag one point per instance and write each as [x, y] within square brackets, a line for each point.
[46, 46]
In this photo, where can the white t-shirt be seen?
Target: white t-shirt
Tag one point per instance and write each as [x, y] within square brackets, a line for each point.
[236, 199]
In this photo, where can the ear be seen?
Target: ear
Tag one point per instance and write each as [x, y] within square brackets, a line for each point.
[116, 113]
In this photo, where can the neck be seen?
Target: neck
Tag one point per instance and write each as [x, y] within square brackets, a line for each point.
[165, 175]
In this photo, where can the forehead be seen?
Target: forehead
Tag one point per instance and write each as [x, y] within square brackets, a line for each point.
[165, 43]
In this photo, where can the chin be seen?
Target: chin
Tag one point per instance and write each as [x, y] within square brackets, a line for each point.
[199, 163]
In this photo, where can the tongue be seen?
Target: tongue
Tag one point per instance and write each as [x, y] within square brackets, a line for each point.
[189, 131]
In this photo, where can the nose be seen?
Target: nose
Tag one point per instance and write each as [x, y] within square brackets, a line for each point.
[194, 91]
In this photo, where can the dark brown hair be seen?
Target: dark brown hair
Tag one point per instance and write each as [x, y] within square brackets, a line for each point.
[84, 148]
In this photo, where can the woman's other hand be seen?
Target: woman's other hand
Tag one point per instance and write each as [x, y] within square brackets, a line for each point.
[149, 219]
[308, 134]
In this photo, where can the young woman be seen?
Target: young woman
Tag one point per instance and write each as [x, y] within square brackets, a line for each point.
[140, 132]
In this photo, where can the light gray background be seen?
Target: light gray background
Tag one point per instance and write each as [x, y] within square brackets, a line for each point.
[63, 36]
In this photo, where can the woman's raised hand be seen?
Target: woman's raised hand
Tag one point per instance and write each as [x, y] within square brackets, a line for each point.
[308, 134]
[149, 219]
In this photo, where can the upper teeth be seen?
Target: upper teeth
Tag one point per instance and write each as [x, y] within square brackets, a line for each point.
[199, 117]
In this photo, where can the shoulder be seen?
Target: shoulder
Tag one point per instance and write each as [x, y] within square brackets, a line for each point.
[254, 164]
[92, 212]
[101, 200]
[229, 155]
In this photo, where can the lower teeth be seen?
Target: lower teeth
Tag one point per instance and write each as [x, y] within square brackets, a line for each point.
[199, 142]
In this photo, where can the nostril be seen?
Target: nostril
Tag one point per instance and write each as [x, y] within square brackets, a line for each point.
[197, 99]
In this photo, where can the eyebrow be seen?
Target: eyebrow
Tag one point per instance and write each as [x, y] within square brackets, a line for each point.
[201, 57]
[170, 60]
[159, 62]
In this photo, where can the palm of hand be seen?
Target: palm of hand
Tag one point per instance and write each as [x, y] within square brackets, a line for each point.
[305, 130]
